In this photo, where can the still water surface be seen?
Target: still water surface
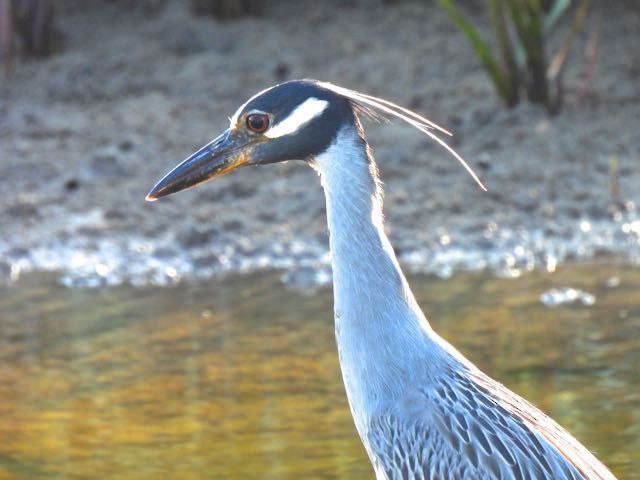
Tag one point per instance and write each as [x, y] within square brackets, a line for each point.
[238, 378]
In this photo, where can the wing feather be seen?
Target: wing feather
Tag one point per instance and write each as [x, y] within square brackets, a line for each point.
[474, 428]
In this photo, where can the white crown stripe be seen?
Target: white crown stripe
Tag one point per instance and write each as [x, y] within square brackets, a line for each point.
[303, 114]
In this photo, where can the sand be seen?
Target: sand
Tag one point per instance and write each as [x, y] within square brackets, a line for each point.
[136, 88]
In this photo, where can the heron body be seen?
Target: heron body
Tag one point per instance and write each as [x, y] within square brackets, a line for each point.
[422, 410]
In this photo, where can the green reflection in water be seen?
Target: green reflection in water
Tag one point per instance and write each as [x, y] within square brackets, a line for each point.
[239, 378]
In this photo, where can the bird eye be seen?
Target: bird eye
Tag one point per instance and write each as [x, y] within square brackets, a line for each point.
[258, 122]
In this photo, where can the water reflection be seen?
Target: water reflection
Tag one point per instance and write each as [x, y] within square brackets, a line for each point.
[239, 378]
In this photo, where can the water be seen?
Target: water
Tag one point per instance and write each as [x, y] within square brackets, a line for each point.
[239, 378]
[83, 257]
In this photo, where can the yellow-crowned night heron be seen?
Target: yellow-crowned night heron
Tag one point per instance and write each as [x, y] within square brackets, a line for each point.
[422, 410]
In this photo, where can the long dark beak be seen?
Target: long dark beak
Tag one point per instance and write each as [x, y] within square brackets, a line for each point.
[223, 155]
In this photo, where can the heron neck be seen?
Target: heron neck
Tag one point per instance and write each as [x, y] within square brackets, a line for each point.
[381, 333]
[366, 275]
[380, 330]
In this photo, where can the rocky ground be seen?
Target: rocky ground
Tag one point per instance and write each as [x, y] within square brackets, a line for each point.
[85, 133]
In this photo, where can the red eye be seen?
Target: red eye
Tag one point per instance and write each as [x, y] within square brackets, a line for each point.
[258, 122]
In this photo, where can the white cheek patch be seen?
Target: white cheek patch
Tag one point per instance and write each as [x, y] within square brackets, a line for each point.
[303, 114]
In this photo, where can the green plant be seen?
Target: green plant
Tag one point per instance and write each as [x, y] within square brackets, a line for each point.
[521, 29]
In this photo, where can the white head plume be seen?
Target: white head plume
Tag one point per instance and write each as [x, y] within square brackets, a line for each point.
[423, 124]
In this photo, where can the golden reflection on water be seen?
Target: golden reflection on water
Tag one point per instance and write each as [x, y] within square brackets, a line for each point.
[239, 378]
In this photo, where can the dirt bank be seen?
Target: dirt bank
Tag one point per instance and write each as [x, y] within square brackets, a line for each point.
[85, 134]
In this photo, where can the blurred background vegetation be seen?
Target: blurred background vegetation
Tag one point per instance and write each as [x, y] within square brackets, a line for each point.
[522, 29]
[519, 58]
[30, 25]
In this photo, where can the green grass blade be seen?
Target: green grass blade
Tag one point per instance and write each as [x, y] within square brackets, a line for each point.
[501, 32]
[480, 47]
[559, 59]
[558, 8]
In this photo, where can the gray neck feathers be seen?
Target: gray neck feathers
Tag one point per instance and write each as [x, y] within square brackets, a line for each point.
[380, 329]
[362, 255]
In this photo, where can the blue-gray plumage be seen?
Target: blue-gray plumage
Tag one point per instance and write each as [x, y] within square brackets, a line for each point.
[422, 410]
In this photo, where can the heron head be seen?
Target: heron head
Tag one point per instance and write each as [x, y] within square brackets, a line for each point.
[295, 120]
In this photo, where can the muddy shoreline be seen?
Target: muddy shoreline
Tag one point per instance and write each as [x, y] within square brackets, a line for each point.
[86, 133]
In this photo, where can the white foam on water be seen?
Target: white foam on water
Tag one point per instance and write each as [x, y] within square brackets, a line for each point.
[118, 258]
